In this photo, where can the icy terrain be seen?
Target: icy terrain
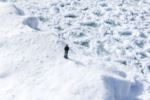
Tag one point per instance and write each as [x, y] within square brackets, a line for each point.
[109, 57]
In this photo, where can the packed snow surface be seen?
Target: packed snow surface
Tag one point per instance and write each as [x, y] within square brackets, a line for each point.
[109, 57]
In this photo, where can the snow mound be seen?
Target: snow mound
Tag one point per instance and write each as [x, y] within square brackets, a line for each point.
[121, 89]
[32, 22]
[37, 67]
[12, 17]
[7, 8]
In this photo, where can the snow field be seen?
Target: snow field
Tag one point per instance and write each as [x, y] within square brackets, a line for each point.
[104, 60]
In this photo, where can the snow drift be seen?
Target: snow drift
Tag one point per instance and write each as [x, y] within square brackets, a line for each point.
[104, 59]
[31, 22]
[7, 8]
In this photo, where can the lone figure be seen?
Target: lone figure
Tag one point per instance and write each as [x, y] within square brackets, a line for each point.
[66, 51]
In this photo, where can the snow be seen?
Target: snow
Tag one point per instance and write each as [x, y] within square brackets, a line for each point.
[109, 50]
[31, 22]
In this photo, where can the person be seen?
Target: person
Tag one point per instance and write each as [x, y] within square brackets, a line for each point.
[66, 51]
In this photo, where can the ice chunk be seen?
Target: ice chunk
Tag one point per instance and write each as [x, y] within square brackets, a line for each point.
[90, 24]
[139, 43]
[126, 33]
[31, 22]
[111, 22]
[70, 16]
[116, 85]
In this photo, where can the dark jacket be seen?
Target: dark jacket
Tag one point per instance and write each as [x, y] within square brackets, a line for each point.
[67, 48]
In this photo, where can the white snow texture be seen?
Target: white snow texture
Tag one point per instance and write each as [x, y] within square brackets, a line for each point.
[109, 52]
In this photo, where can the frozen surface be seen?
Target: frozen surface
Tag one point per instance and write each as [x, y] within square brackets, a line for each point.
[109, 56]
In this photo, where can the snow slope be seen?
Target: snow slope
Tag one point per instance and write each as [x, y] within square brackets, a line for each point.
[109, 56]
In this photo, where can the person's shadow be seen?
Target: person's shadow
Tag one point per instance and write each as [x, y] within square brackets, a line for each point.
[77, 62]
